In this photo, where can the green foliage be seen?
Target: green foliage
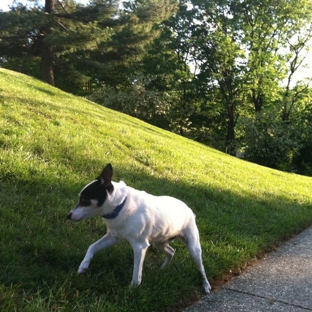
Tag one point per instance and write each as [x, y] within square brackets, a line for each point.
[26, 33]
[150, 106]
[279, 136]
[302, 162]
[52, 143]
[271, 142]
[84, 42]
[245, 49]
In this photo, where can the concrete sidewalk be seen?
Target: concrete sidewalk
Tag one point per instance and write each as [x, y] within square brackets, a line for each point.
[282, 281]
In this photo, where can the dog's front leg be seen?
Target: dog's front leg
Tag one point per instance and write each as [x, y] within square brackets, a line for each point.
[139, 255]
[106, 241]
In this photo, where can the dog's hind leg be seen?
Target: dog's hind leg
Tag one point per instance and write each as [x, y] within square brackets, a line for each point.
[169, 252]
[192, 243]
[106, 241]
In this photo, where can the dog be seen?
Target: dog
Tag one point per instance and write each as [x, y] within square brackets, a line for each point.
[139, 218]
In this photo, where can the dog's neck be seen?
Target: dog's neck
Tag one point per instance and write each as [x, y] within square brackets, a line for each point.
[115, 212]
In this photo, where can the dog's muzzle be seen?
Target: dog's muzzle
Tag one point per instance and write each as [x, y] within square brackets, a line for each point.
[69, 216]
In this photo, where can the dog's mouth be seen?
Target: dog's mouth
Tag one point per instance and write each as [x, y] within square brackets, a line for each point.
[70, 217]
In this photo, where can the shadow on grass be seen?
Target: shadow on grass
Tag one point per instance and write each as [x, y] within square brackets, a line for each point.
[39, 248]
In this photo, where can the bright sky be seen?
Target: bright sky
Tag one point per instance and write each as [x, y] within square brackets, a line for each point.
[4, 4]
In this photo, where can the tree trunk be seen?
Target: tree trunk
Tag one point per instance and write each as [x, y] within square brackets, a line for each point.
[49, 6]
[257, 99]
[230, 135]
[46, 65]
[46, 53]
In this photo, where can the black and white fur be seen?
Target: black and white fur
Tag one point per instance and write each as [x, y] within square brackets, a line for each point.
[141, 219]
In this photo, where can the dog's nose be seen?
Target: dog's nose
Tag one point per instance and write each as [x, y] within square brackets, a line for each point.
[69, 215]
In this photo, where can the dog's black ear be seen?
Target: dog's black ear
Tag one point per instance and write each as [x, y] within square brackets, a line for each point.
[106, 177]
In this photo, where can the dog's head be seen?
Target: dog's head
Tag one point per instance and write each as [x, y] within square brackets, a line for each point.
[93, 196]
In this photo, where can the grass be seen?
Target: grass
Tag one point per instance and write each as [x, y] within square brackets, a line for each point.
[53, 143]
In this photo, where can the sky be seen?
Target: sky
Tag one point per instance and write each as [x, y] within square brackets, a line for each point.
[4, 5]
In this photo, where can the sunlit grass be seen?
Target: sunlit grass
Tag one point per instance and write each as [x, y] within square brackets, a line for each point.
[52, 144]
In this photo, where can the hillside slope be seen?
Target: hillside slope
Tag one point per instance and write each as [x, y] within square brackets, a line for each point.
[53, 143]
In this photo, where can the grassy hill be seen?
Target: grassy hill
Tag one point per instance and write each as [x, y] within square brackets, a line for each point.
[53, 143]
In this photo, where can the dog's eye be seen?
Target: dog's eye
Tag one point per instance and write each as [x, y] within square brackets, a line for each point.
[84, 202]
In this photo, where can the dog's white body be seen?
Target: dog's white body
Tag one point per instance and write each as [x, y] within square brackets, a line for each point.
[144, 220]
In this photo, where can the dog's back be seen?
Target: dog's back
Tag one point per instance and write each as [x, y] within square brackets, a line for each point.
[151, 218]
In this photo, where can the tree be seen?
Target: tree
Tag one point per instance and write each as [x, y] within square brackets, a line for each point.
[45, 48]
[243, 49]
[166, 70]
[276, 37]
[51, 34]
[216, 52]
[75, 41]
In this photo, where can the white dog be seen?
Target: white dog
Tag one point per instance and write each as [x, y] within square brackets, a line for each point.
[141, 219]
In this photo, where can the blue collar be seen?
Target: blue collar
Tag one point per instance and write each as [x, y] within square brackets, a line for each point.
[116, 211]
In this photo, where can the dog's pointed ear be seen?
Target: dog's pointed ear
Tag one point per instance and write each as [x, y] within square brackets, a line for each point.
[106, 177]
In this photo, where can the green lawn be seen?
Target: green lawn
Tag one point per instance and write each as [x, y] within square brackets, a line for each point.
[53, 143]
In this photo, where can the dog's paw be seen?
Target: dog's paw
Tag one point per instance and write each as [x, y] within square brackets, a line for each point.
[135, 283]
[207, 287]
[82, 270]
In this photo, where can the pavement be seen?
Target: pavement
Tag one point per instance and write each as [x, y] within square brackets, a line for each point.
[281, 281]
